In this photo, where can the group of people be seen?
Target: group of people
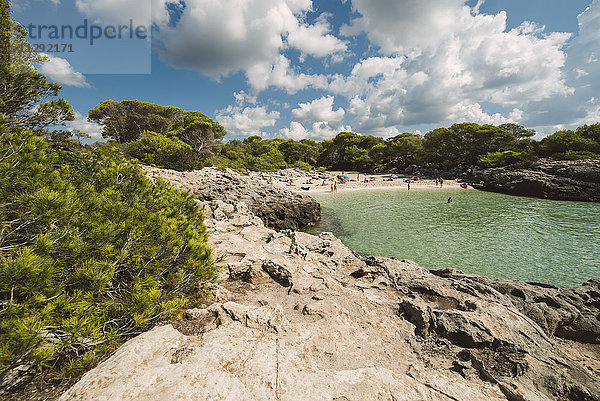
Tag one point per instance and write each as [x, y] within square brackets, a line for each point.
[439, 181]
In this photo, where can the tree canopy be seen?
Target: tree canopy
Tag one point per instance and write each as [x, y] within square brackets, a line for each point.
[125, 121]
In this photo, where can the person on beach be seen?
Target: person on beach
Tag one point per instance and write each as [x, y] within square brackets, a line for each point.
[436, 182]
[335, 187]
[408, 182]
[441, 182]
[331, 187]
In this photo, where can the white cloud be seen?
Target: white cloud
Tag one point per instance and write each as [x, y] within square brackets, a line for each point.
[399, 26]
[219, 38]
[319, 110]
[242, 98]
[316, 40]
[324, 122]
[433, 62]
[246, 121]
[281, 75]
[317, 131]
[60, 70]
[465, 112]
[82, 124]
[443, 60]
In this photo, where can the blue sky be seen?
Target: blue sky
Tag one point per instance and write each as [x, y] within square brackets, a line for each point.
[310, 69]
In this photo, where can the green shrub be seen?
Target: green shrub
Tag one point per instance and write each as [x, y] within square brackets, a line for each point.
[271, 161]
[575, 155]
[157, 150]
[303, 166]
[508, 158]
[91, 252]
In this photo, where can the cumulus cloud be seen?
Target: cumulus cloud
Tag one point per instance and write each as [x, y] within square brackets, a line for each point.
[60, 70]
[82, 124]
[442, 60]
[219, 38]
[317, 131]
[433, 62]
[246, 121]
[281, 75]
[319, 110]
[319, 115]
[399, 26]
[315, 40]
[242, 97]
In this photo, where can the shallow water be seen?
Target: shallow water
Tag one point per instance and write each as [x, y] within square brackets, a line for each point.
[485, 233]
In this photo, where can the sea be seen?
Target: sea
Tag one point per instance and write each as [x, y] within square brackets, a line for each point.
[485, 233]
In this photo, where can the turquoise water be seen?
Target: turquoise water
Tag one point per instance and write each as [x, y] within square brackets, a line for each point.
[489, 234]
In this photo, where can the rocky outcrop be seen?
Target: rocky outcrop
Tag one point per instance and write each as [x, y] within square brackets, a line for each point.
[300, 317]
[562, 180]
[276, 207]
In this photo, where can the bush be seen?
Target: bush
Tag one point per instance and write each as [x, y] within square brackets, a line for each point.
[575, 155]
[92, 252]
[157, 150]
[303, 165]
[508, 158]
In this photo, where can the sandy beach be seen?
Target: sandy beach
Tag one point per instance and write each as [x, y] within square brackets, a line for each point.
[309, 182]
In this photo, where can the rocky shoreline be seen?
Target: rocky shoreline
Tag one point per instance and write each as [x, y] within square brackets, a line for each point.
[276, 207]
[559, 180]
[300, 317]
[577, 180]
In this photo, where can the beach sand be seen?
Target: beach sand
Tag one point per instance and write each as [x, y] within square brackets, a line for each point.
[321, 182]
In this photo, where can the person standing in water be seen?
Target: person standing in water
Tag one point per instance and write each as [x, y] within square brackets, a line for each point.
[408, 182]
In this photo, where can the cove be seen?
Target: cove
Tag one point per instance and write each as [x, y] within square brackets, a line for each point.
[484, 233]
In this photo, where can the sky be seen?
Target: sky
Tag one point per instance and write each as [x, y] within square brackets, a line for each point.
[311, 69]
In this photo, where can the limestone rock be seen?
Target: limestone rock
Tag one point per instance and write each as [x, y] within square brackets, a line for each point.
[223, 191]
[563, 180]
[300, 317]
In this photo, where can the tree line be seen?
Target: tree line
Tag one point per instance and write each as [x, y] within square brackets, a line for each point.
[466, 144]
[167, 136]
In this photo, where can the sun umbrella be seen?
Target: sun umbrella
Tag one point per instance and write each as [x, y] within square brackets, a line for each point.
[345, 176]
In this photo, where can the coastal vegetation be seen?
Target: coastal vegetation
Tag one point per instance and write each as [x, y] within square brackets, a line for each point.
[92, 251]
[167, 136]
[466, 144]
